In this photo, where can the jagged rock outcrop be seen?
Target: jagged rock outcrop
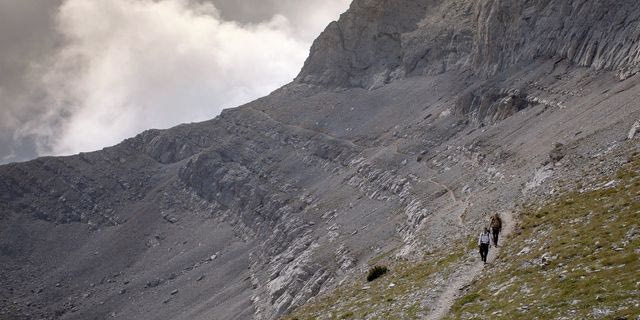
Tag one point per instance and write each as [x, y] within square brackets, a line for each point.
[597, 34]
[379, 41]
[251, 214]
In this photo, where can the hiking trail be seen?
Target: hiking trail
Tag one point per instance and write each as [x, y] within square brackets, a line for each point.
[464, 277]
[463, 205]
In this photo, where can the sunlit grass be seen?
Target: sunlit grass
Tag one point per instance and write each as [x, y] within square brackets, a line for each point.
[582, 260]
[386, 295]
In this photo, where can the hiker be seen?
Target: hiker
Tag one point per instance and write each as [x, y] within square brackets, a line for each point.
[484, 242]
[496, 228]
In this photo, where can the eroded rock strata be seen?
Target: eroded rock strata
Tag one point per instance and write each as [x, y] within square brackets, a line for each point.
[410, 121]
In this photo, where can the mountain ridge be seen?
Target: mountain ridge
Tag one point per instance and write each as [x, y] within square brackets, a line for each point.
[253, 213]
[379, 41]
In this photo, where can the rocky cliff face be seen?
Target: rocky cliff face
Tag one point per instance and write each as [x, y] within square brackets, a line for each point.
[376, 42]
[410, 121]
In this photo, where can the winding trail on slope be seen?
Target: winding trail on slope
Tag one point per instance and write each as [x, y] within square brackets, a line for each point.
[298, 127]
[452, 195]
[464, 205]
[464, 278]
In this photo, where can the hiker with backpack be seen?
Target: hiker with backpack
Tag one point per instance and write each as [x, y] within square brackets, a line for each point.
[496, 227]
[484, 242]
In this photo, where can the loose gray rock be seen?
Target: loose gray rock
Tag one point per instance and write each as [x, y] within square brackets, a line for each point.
[154, 283]
[634, 130]
[557, 153]
[474, 90]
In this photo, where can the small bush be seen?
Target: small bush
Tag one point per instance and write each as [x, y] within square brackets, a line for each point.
[376, 272]
[469, 298]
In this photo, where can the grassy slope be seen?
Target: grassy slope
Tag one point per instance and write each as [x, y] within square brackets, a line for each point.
[576, 257]
[393, 296]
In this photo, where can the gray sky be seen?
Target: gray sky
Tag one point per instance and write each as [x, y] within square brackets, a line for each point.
[79, 75]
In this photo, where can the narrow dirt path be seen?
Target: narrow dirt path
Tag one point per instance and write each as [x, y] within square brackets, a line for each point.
[449, 191]
[462, 204]
[297, 127]
[464, 277]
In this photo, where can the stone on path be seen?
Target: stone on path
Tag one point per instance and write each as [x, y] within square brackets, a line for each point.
[634, 129]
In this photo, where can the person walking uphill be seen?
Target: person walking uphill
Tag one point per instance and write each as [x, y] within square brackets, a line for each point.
[484, 242]
[496, 227]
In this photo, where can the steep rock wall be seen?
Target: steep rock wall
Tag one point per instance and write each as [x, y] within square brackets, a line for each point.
[598, 34]
[253, 213]
[378, 41]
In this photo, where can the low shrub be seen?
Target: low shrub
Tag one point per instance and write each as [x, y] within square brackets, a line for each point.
[376, 272]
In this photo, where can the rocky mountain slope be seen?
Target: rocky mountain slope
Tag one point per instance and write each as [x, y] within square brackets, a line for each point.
[410, 122]
[568, 252]
[583, 245]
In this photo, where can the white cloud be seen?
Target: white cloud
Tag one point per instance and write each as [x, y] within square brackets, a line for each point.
[130, 65]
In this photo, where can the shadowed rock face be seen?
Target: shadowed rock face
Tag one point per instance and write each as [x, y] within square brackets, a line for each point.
[378, 41]
[598, 34]
[252, 213]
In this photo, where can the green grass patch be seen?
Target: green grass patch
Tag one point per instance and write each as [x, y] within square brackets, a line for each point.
[575, 257]
[469, 298]
[386, 296]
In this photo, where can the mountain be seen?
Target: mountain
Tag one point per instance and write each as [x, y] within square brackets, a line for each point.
[410, 123]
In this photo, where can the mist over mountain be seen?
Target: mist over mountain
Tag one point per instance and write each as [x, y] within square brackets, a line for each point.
[409, 125]
[81, 75]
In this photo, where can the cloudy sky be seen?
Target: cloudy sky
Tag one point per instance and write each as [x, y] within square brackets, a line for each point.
[79, 75]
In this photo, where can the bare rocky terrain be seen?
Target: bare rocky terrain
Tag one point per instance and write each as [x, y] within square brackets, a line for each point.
[409, 124]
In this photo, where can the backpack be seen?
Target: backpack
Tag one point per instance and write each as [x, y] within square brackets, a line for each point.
[496, 222]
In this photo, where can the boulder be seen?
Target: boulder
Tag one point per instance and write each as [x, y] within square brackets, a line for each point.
[154, 283]
[557, 153]
[634, 129]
